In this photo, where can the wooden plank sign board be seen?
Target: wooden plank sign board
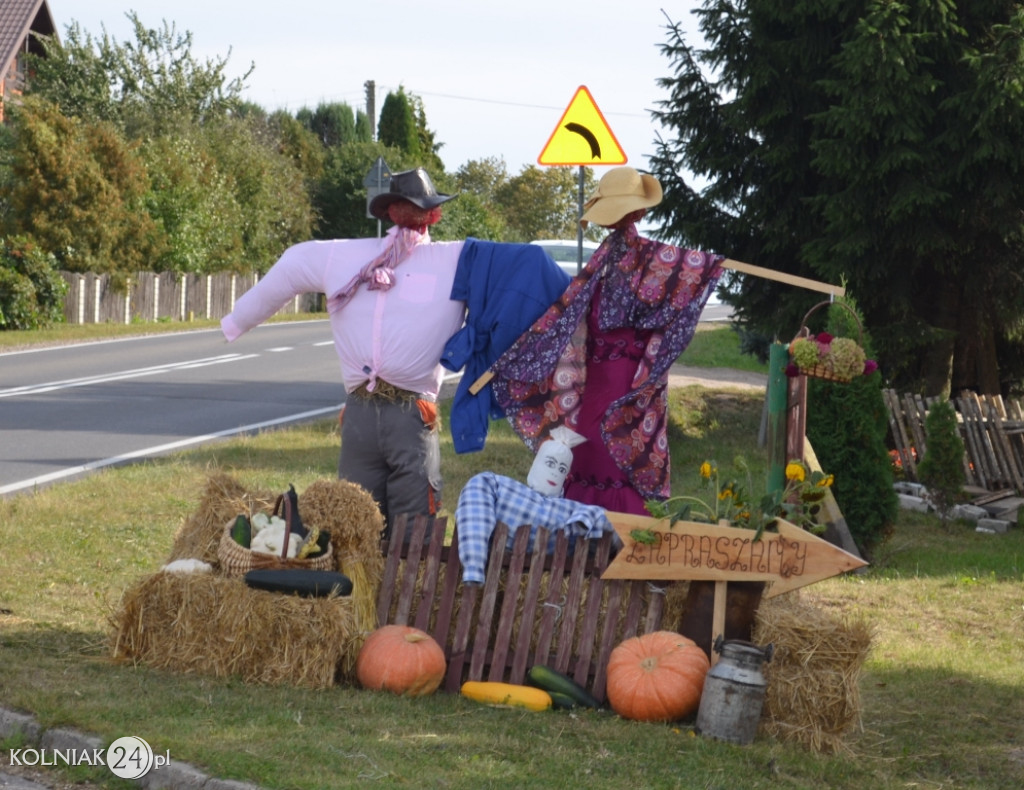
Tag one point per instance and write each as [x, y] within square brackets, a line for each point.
[789, 559]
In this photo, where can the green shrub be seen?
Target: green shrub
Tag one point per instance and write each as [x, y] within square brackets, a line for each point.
[31, 289]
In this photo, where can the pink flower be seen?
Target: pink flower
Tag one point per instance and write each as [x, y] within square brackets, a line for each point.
[792, 370]
[824, 338]
[870, 366]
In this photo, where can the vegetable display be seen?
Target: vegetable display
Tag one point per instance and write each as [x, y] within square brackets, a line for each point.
[265, 534]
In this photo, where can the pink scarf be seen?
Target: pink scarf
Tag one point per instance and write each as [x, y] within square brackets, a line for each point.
[379, 274]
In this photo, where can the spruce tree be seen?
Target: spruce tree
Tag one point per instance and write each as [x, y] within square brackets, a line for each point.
[870, 140]
[941, 470]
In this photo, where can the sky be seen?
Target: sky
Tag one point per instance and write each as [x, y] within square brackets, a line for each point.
[495, 77]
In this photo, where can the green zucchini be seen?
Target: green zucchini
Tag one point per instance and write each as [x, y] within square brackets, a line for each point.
[241, 531]
[553, 681]
[562, 701]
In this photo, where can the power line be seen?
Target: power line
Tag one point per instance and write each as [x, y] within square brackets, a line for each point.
[344, 96]
[505, 103]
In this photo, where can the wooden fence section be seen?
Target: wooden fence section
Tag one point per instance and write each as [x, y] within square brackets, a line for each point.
[93, 299]
[992, 432]
[533, 607]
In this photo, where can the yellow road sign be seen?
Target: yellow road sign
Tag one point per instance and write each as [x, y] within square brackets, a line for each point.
[582, 136]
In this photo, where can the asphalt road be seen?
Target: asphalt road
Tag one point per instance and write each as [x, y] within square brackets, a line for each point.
[68, 410]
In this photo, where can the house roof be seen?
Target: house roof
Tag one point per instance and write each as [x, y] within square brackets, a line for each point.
[17, 19]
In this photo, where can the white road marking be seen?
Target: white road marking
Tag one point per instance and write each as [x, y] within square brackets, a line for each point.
[159, 449]
[52, 386]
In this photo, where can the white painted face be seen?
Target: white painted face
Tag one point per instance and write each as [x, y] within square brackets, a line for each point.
[550, 467]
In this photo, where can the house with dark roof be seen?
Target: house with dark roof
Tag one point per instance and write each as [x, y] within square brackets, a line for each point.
[19, 20]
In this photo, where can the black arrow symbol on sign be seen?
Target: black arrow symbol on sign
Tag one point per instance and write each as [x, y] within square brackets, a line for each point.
[586, 134]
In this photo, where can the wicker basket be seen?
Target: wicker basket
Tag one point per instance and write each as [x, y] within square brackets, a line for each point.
[236, 560]
[822, 371]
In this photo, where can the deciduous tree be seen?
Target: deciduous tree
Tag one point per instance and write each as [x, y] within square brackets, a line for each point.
[544, 203]
[77, 189]
[146, 86]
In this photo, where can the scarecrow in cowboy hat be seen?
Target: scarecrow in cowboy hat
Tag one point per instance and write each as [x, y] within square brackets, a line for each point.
[390, 311]
[597, 361]
[393, 303]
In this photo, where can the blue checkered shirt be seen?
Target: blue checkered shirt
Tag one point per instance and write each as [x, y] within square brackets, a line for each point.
[488, 498]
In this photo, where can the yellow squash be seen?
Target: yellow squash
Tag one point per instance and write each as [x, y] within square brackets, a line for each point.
[507, 695]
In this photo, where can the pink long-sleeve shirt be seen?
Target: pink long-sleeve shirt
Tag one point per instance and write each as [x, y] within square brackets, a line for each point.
[396, 335]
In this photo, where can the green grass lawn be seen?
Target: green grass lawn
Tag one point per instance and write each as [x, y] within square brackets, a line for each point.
[942, 690]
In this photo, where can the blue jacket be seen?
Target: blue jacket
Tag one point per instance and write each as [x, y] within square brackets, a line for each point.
[506, 287]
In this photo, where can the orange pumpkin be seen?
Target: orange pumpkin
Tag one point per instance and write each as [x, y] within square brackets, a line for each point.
[401, 659]
[656, 677]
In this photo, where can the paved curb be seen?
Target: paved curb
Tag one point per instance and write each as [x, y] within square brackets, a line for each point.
[176, 776]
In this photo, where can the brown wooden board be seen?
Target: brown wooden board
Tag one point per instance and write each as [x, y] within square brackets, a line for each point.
[789, 559]
[900, 434]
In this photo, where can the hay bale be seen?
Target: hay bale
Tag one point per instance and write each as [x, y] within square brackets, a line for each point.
[213, 624]
[209, 624]
[222, 500]
[355, 522]
[813, 697]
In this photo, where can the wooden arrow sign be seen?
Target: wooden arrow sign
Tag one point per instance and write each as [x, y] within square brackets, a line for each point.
[789, 559]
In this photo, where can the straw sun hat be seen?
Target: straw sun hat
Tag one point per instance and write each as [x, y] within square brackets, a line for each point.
[620, 191]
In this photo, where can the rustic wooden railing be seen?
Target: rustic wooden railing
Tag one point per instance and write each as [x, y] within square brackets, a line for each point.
[992, 431]
[533, 607]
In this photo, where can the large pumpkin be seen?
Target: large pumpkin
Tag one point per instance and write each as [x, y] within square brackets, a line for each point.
[401, 659]
[656, 677]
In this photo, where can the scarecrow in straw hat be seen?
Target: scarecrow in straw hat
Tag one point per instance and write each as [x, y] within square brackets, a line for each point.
[488, 498]
[390, 311]
[597, 361]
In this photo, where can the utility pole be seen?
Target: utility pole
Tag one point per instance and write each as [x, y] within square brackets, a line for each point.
[371, 106]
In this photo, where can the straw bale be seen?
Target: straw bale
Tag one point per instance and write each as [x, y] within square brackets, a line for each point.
[209, 624]
[222, 500]
[812, 694]
[355, 522]
[213, 624]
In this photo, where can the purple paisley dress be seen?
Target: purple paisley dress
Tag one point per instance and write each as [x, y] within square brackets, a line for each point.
[597, 361]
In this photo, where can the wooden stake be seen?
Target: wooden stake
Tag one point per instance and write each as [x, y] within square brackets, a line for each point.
[718, 616]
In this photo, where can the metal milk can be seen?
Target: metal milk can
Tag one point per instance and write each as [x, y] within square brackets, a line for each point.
[730, 705]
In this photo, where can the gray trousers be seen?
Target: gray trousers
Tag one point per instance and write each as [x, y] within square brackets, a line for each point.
[387, 449]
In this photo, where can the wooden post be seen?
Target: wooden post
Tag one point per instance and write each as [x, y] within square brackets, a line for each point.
[796, 422]
[718, 616]
[777, 401]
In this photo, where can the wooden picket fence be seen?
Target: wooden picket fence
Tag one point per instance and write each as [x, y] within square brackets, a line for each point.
[992, 431]
[93, 299]
[533, 607]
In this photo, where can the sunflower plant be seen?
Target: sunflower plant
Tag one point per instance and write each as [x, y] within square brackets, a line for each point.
[798, 502]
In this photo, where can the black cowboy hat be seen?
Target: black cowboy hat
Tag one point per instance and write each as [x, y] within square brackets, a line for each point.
[412, 185]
